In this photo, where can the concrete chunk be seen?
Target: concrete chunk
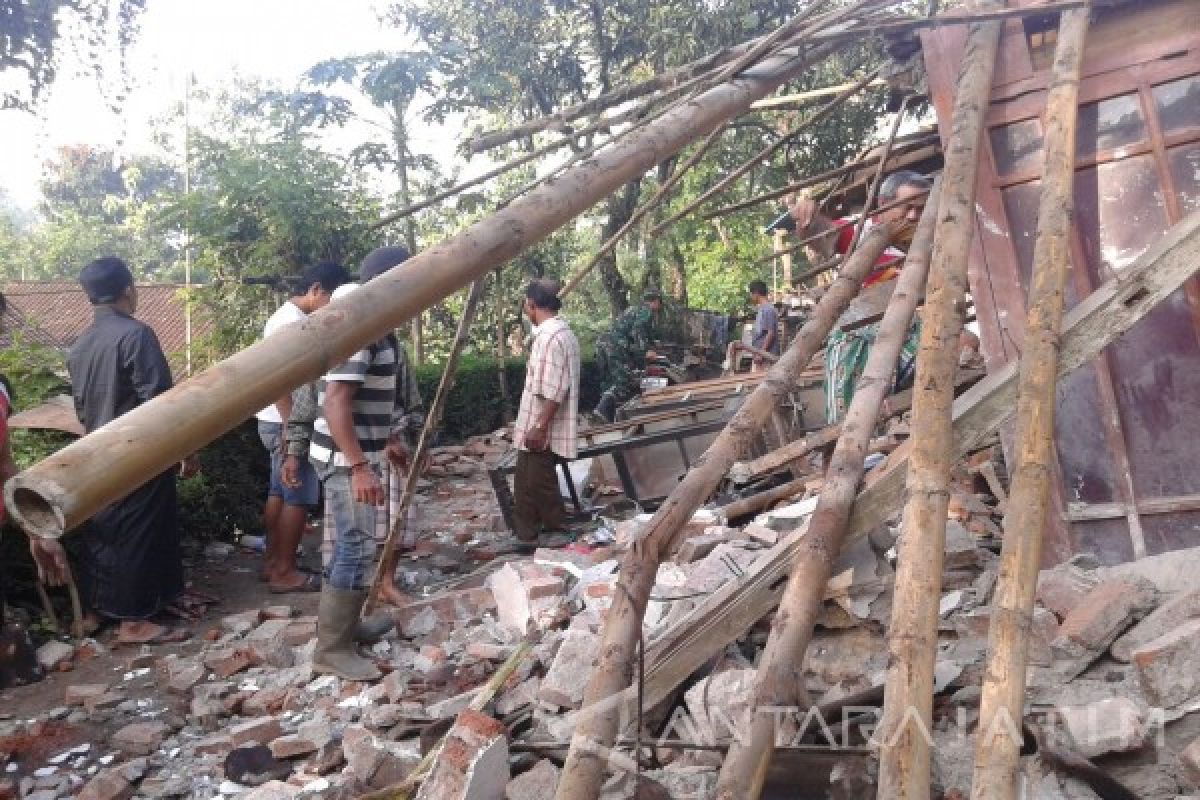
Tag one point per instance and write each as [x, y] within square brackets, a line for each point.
[1106, 611]
[538, 783]
[1113, 725]
[565, 681]
[1162, 620]
[1166, 666]
[140, 738]
[109, 784]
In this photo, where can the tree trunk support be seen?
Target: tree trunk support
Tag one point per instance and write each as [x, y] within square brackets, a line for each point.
[1002, 706]
[780, 677]
[597, 727]
[912, 641]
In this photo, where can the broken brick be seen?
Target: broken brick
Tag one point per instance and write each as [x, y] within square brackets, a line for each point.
[473, 764]
[228, 661]
[293, 746]
[260, 731]
[80, 693]
[568, 675]
[140, 738]
[1161, 621]
[108, 784]
[538, 783]
[1106, 611]
[1166, 666]
[1112, 725]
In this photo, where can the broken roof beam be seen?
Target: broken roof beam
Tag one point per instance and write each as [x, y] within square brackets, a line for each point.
[1100, 319]
[781, 664]
[1003, 702]
[597, 727]
[67, 488]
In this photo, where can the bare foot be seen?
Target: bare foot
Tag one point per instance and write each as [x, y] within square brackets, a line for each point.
[138, 632]
[296, 582]
[392, 595]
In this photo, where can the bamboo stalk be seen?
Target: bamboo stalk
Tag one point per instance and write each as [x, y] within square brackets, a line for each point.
[813, 119]
[596, 728]
[780, 676]
[642, 210]
[815, 180]
[877, 179]
[1002, 704]
[912, 639]
[404, 789]
[387, 563]
[763, 500]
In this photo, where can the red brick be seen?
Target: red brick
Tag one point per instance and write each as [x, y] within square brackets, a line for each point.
[1106, 611]
[262, 731]
[1166, 666]
[107, 785]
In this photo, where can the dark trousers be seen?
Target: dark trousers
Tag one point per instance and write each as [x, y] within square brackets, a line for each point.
[537, 504]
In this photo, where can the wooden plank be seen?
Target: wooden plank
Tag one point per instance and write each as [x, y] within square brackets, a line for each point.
[1088, 512]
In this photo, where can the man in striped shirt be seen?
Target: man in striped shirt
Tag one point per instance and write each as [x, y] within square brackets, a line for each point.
[545, 432]
[348, 449]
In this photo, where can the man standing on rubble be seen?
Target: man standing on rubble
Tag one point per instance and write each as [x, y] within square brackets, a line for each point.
[286, 512]
[846, 353]
[624, 350]
[545, 432]
[132, 567]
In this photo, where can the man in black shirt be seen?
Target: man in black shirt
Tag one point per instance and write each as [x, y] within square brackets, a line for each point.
[131, 565]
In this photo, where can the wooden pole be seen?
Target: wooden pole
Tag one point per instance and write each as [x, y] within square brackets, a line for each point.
[642, 210]
[912, 640]
[1098, 320]
[815, 180]
[813, 119]
[877, 179]
[596, 729]
[780, 677]
[387, 558]
[69, 486]
[1003, 703]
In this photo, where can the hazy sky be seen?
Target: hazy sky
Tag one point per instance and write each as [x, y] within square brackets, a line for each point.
[215, 40]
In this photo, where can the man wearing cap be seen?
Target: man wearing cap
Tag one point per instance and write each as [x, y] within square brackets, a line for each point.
[625, 349]
[132, 568]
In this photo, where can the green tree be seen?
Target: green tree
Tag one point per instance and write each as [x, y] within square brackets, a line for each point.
[31, 34]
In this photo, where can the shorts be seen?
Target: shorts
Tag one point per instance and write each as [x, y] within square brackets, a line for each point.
[308, 493]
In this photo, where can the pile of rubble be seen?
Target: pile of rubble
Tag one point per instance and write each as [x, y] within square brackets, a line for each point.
[1112, 677]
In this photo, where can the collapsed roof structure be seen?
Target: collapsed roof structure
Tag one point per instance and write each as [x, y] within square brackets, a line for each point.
[1043, 109]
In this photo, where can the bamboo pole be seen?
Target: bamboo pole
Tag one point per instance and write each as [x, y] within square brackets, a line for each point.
[387, 558]
[912, 639]
[867, 160]
[780, 677]
[1003, 701]
[642, 210]
[815, 118]
[763, 500]
[596, 728]
[877, 179]
[68, 487]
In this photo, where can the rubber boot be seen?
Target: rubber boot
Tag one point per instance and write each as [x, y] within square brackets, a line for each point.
[606, 409]
[373, 628]
[337, 623]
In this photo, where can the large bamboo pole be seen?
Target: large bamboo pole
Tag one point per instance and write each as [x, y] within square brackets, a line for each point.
[65, 489]
[912, 639]
[813, 119]
[780, 677]
[388, 555]
[1003, 703]
[596, 729]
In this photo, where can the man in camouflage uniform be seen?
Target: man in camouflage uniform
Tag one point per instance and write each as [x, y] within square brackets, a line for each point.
[624, 350]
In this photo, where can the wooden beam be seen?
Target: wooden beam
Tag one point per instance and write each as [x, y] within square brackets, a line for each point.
[1002, 706]
[779, 680]
[1100, 319]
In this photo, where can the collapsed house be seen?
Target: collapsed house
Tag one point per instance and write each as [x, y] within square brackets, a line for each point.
[843, 627]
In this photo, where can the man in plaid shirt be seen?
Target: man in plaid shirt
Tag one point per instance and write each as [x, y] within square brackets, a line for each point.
[545, 432]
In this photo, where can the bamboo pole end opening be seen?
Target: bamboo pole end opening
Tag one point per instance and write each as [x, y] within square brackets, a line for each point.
[31, 504]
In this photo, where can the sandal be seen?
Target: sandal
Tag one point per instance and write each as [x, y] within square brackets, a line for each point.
[170, 634]
[311, 583]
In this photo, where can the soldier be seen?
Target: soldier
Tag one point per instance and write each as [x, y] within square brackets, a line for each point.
[625, 349]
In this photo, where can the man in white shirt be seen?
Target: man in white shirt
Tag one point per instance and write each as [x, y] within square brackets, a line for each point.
[286, 512]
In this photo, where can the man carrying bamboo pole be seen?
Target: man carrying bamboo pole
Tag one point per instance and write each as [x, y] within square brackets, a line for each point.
[546, 422]
[846, 353]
